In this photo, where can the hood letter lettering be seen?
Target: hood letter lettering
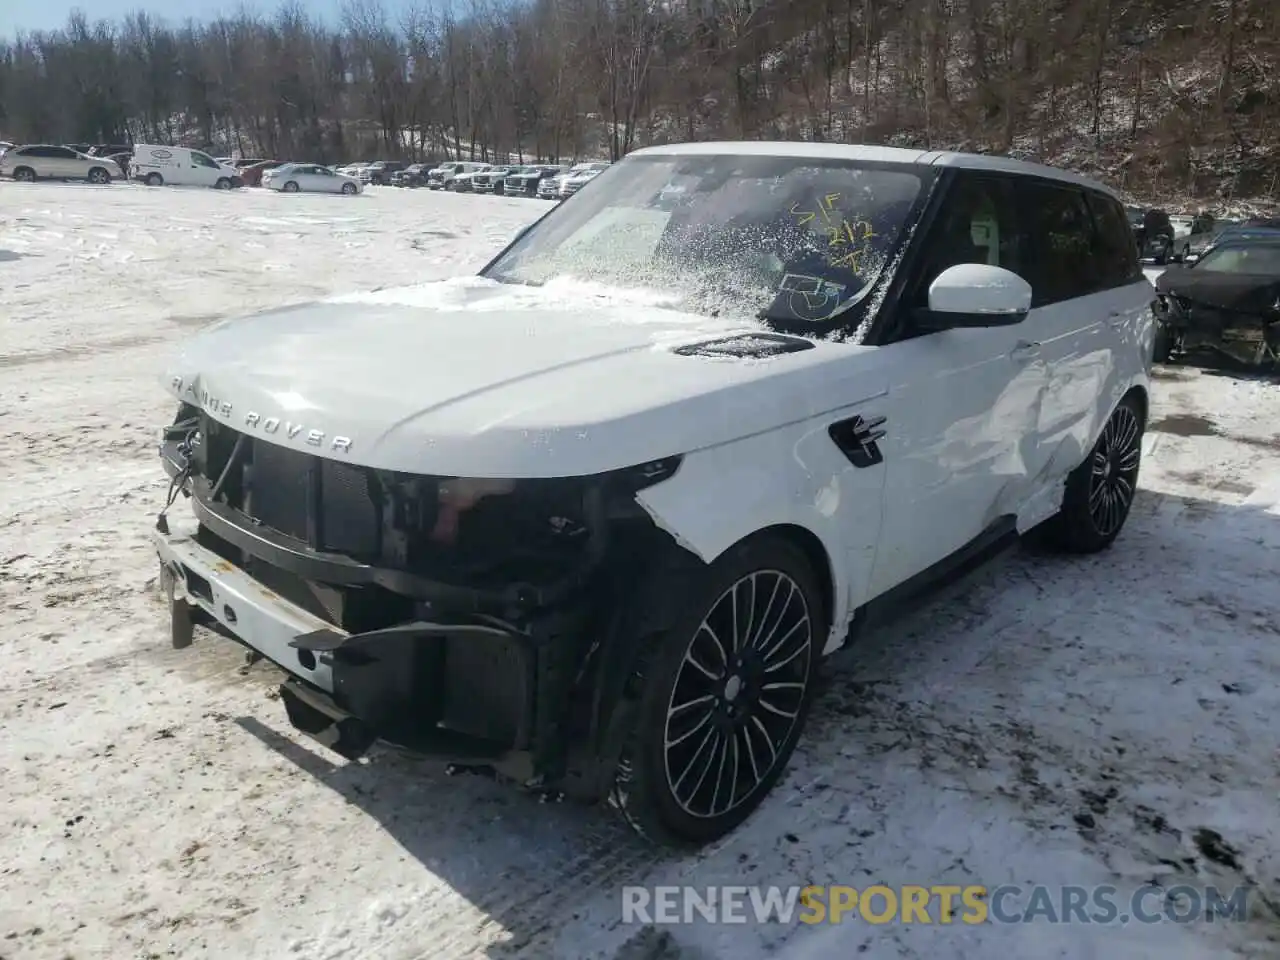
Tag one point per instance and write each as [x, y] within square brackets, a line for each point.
[254, 421]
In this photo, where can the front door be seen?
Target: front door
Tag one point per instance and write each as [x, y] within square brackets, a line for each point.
[204, 170]
[963, 404]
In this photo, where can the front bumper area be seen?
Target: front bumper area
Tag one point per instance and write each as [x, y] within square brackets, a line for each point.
[459, 691]
[1248, 337]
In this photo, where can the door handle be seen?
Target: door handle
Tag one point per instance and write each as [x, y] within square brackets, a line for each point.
[1025, 350]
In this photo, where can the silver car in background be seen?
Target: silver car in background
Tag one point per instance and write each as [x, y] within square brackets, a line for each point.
[41, 161]
[310, 178]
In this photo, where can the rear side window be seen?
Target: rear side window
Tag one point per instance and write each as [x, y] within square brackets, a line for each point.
[1116, 248]
[1067, 261]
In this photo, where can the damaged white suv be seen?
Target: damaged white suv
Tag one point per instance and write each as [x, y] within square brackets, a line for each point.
[591, 519]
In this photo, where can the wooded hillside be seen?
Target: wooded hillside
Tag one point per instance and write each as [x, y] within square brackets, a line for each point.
[1161, 97]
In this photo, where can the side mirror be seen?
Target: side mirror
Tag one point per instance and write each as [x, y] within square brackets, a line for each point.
[975, 295]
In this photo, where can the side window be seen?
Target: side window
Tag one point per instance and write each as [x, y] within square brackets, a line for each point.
[61, 153]
[1065, 262]
[978, 223]
[1117, 252]
[202, 160]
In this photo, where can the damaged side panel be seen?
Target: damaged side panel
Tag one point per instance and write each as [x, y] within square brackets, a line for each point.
[725, 494]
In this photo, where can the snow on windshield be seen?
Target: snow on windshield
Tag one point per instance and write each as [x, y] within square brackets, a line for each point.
[752, 238]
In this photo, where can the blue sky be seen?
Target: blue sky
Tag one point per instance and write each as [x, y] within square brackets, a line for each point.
[28, 15]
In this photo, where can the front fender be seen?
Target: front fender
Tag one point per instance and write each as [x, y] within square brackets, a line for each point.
[794, 476]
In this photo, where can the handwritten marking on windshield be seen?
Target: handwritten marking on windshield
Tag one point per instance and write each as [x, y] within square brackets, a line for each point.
[847, 240]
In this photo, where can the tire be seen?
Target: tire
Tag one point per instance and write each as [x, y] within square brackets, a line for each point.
[222, 184]
[290, 187]
[154, 180]
[746, 744]
[98, 175]
[24, 175]
[349, 189]
[1100, 492]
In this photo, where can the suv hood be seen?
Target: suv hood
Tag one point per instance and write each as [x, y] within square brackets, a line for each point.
[479, 379]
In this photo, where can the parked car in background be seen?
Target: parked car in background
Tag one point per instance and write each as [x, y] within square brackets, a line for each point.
[881, 366]
[253, 172]
[491, 180]
[157, 165]
[310, 178]
[44, 161]
[464, 182]
[356, 170]
[1154, 236]
[526, 182]
[558, 188]
[1191, 233]
[440, 177]
[379, 172]
[111, 149]
[1227, 302]
[414, 175]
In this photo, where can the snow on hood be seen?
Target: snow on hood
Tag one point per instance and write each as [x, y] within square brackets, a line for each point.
[470, 377]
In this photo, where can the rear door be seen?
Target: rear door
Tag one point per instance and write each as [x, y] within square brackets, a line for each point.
[65, 162]
[1072, 274]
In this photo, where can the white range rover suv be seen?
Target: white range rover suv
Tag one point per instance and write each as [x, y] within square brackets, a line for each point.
[591, 519]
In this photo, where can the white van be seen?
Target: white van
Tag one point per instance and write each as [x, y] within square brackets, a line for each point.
[156, 165]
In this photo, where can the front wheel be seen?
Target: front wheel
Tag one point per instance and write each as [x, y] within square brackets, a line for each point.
[222, 184]
[290, 187]
[1099, 493]
[99, 176]
[349, 189]
[723, 696]
[24, 175]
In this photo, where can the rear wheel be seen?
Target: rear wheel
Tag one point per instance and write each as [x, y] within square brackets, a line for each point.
[290, 187]
[723, 696]
[154, 180]
[1099, 493]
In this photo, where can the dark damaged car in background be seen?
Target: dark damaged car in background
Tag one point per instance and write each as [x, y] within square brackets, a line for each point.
[1227, 302]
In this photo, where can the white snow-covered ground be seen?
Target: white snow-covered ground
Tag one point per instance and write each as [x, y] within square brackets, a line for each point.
[1055, 721]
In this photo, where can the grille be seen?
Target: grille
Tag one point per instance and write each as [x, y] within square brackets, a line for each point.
[326, 504]
[279, 489]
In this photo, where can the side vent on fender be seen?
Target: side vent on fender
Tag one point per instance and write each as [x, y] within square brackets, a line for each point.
[858, 439]
[746, 346]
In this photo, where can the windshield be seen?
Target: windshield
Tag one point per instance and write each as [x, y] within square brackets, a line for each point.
[781, 239]
[1254, 260]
